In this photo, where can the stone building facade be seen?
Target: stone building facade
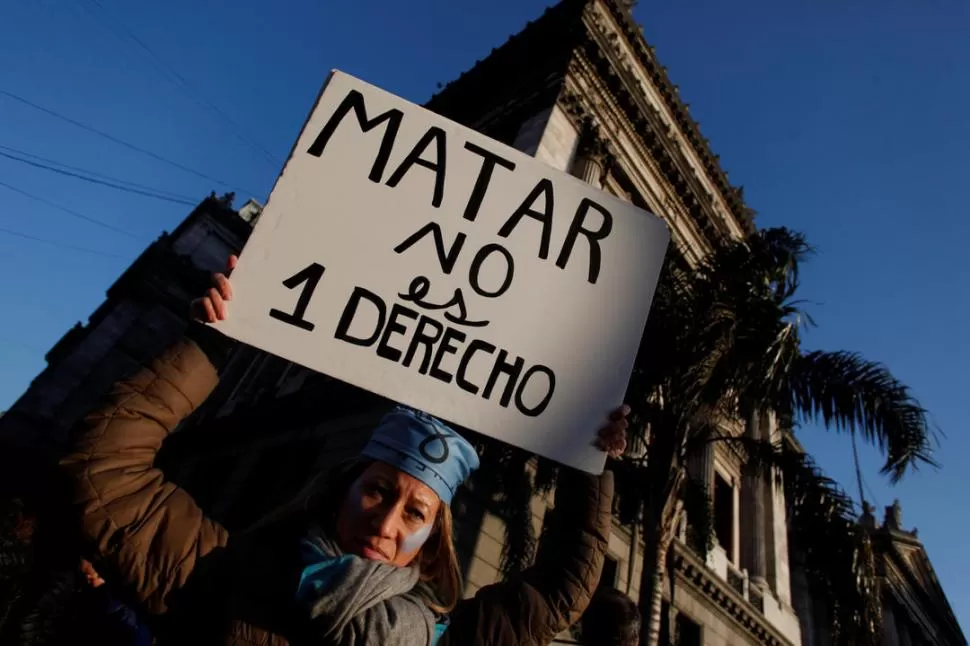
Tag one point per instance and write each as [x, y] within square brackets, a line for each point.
[581, 90]
[915, 610]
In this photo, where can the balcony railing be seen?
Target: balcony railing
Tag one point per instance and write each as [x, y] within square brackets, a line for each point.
[735, 579]
[759, 602]
[757, 599]
[717, 561]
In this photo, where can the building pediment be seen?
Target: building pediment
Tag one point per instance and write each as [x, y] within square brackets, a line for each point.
[909, 578]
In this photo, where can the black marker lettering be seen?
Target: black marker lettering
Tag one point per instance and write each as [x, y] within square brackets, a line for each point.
[350, 312]
[473, 347]
[445, 258]
[355, 101]
[474, 272]
[384, 350]
[512, 370]
[446, 347]
[594, 237]
[536, 410]
[528, 388]
[489, 161]
[427, 340]
[438, 165]
[311, 276]
[543, 188]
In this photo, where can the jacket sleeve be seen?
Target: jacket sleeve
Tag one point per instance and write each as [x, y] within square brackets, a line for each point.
[547, 598]
[149, 531]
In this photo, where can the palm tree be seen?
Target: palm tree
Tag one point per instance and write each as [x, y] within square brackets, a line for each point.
[833, 549]
[723, 343]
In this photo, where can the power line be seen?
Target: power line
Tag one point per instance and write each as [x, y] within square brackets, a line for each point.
[94, 180]
[872, 493]
[118, 141]
[71, 212]
[61, 245]
[92, 173]
[182, 83]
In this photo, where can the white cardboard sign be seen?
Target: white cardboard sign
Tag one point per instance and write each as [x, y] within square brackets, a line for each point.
[411, 256]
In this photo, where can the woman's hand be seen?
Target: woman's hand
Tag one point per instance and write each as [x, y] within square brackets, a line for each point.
[612, 437]
[212, 307]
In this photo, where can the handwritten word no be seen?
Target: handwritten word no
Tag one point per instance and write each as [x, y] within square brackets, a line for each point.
[448, 257]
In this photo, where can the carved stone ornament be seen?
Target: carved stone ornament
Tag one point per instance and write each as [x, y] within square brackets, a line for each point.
[657, 73]
[572, 104]
[591, 145]
[894, 516]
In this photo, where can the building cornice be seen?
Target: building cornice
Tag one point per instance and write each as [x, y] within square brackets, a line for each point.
[646, 56]
[922, 595]
[589, 105]
[695, 572]
[523, 73]
[706, 201]
[493, 91]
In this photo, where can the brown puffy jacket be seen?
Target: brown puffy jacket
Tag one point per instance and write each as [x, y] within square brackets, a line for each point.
[199, 585]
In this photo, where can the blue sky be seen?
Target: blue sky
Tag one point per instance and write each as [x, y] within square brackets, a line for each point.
[848, 121]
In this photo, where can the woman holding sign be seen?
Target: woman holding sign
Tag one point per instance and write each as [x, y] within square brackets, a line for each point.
[370, 560]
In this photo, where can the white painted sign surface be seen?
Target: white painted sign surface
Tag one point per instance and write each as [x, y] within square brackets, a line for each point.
[416, 258]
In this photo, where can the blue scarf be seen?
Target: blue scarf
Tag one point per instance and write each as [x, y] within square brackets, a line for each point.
[364, 602]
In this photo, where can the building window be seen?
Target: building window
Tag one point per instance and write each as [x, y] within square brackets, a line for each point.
[685, 632]
[608, 577]
[688, 633]
[724, 514]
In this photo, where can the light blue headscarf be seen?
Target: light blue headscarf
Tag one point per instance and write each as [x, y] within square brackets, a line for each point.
[423, 447]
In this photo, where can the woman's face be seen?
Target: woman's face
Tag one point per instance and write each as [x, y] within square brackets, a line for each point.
[387, 515]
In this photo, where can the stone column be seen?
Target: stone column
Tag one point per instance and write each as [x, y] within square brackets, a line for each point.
[776, 523]
[755, 554]
[589, 169]
[591, 159]
[701, 467]
[735, 555]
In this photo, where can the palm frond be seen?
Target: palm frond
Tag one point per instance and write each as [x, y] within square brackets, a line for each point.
[844, 391]
[722, 342]
[515, 510]
[547, 473]
[834, 550]
[837, 555]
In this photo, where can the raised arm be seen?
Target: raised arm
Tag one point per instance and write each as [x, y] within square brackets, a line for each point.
[547, 598]
[148, 530]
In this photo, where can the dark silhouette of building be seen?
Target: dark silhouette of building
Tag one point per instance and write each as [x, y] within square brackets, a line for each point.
[143, 312]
